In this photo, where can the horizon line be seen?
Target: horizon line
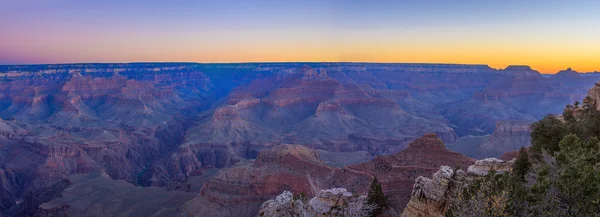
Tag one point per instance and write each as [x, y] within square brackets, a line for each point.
[287, 62]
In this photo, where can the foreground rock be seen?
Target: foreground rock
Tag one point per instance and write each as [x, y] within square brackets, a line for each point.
[283, 205]
[433, 197]
[331, 202]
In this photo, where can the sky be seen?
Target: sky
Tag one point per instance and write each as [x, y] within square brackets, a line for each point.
[548, 35]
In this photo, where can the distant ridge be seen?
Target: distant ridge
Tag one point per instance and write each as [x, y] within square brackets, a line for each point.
[54, 65]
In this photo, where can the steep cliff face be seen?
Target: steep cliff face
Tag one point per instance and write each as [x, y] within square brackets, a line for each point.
[189, 160]
[507, 136]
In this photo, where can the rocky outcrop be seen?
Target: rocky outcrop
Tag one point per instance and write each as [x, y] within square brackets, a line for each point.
[284, 205]
[482, 167]
[594, 93]
[189, 159]
[432, 197]
[330, 202]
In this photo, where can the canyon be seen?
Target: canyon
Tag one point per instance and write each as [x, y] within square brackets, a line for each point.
[213, 135]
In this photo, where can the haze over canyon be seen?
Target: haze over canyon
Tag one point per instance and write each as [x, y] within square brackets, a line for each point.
[187, 139]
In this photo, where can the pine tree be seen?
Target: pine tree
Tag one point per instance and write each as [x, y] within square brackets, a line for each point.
[561, 179]
[546, 134]
[377, 198]
[522, 165]
[518, 192]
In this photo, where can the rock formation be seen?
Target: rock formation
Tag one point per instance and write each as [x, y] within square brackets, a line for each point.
[432, 197]
[507, 136]
[330, 202]
[594, 93]
[482, 167]
[284, 205]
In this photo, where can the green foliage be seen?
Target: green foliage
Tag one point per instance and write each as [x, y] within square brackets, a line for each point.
[522, 165]
[562, 180]
[377, 198]
[546, 134]
[566, 181]
[579, 177]
[583, 122]
[484, 197]
[517, 191]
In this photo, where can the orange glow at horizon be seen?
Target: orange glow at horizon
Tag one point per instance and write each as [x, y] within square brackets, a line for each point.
[549, 37]
[309, 46]
[541, 60]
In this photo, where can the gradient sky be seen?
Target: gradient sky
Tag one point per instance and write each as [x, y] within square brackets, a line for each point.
[548, 35]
